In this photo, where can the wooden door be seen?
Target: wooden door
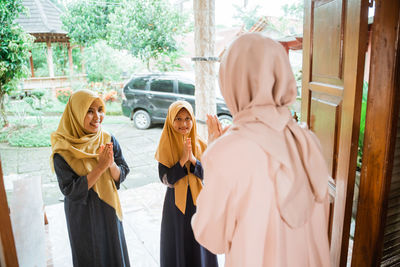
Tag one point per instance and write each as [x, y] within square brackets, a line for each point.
[334, 46]
[8, 254]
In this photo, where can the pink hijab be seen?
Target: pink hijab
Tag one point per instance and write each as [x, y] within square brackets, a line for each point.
[258, 86]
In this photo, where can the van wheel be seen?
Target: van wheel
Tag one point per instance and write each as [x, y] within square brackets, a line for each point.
[225, 120]
[141, 120]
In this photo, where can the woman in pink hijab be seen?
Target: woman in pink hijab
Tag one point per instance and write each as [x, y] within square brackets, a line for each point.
[265, 197]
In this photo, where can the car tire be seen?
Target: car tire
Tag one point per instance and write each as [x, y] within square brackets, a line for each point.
[141, 119]
[225, 120]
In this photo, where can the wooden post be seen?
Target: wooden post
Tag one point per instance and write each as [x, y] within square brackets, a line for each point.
[380, 132]
[50, 59]
[31, 64]
[8, 253]
[204, 39]
[71, 64]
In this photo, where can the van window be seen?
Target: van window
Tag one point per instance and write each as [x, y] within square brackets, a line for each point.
[138, 84]
[166, 86]
[186, 88]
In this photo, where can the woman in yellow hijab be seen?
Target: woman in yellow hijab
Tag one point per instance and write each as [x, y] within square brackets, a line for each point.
[178, 154]
[89, 166]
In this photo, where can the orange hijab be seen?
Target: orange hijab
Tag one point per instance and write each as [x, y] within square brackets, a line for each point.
[170, 149]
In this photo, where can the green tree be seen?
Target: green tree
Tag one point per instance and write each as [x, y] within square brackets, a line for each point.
[86, 20]
[294, 10]
[147, 28]
[292, 21]
[247, 16]
[104, 63]
[14, 50]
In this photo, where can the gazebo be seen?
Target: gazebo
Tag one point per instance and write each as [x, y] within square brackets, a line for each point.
[44, 23]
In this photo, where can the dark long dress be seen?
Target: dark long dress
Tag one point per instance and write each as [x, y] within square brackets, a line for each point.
[96, 234]
[178, 247]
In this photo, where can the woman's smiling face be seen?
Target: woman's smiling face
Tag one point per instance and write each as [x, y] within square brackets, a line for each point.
[183, 122]
[94, 117]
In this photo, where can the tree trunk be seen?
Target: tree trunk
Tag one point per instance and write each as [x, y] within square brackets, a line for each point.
[83, 70]
[148, 64]
[204, 39]
[3, 109]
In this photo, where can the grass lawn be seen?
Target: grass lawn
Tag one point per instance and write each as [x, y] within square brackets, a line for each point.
[28, 133]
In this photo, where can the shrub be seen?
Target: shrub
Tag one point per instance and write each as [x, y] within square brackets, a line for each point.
[113, 108]
[110, 96]
[63, 94]
[35, 136]
[362, 125]
[38, 94]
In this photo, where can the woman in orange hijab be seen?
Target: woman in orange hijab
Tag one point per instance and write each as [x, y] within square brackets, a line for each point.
[178, 154]
[90, 167]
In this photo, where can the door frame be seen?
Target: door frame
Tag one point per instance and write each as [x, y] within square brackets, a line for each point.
[9, 252]
[380, 133]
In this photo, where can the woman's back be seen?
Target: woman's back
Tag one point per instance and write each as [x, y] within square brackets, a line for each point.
[242, 218]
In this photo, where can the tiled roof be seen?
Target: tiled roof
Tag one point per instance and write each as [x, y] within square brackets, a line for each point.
[43, 17]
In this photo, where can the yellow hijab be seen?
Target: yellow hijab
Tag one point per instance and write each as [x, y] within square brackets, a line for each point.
[170, 149]
[79, 148]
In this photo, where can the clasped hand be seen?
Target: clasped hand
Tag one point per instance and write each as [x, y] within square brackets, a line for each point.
[187, 153]
[106, 156]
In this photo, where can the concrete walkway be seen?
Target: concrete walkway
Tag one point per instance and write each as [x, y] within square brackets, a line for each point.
[141, 208]
[141, 194]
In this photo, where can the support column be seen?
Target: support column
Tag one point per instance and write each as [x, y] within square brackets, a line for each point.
[204, 39]
[70, 61]
[31, 64]
[50, 59]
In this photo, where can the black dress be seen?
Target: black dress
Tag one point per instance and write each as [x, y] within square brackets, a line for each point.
[178, 247]
[95, 233]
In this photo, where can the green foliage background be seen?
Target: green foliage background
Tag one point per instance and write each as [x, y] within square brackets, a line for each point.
[86, 20]
[14, 50]
[146, 28]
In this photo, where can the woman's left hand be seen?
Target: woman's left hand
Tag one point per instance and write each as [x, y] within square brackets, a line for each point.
[214, 128]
